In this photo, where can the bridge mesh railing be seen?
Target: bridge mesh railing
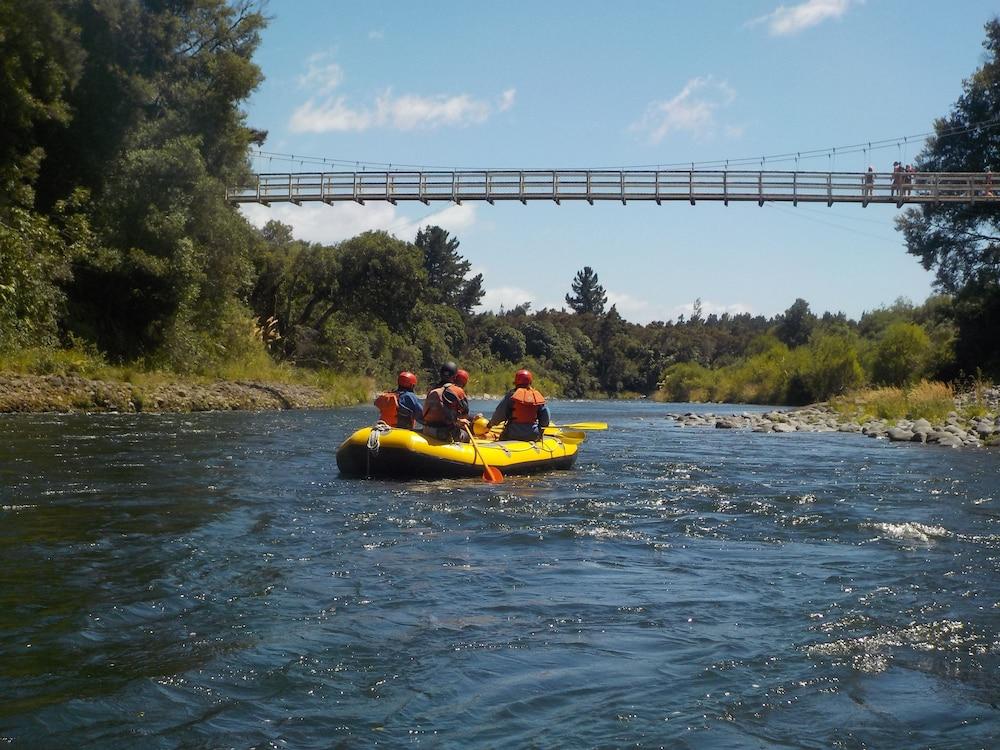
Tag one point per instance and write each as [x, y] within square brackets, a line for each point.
[618, 185]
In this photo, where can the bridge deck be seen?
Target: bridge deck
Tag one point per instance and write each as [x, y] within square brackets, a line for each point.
[618, 185]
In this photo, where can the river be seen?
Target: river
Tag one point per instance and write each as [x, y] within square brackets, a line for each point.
[207, 580]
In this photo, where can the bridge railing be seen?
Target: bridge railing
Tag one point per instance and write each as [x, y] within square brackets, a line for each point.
[618, 185]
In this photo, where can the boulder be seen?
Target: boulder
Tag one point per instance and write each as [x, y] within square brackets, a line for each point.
[898, 434]
[781, 427]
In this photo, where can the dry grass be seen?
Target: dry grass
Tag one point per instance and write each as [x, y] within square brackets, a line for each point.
[928, 400]
[338, 389]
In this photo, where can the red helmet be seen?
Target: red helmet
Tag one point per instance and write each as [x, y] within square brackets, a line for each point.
[522, 377]
[406, 379]
[461, 378]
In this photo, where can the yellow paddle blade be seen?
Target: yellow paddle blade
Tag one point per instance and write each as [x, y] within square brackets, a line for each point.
[573, 437]
[585, 426]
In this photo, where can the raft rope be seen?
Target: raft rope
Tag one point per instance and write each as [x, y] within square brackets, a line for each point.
[374, 444]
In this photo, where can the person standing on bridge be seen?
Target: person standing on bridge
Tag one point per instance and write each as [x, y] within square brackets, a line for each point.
[897, 179]
[869, 181]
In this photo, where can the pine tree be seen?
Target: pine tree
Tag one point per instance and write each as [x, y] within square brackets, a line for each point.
[447, 270]
[588, 295]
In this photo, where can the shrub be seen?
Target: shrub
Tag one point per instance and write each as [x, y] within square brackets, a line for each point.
[901, 354]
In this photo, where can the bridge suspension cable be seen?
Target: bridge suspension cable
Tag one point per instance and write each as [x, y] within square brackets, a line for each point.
[832, 153]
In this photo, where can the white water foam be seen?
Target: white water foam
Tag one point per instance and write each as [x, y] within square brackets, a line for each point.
[911, 532]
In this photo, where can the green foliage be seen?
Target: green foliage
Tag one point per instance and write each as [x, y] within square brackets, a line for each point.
[833, 366]
[447, 271]
[508, 343]
[795, 325]
[901, 354]
[588, 295]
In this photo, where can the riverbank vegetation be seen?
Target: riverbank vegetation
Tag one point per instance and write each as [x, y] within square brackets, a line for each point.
[120, 259]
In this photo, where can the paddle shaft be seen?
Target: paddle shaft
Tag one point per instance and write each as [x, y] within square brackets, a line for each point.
[490, 473]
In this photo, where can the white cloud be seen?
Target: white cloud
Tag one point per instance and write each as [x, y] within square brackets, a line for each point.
[321, 76]
[692, 110]
[323, 113]
[638, 310]
[409, 111]
[507, 100]
[505, 298]
[330, 224]
[376, 34]
[629, 307]
[783, 20]
[330, 115]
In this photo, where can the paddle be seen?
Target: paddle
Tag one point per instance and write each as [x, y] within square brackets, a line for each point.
[491, 474]
[567, 436]
[585, 426]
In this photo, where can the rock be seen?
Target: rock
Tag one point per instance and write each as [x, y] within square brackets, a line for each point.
[984, 429]
[922, 425]
[919, 436]
[898, 434]
[849, 427]
[725, 424]
[781, 427]
[950, 440]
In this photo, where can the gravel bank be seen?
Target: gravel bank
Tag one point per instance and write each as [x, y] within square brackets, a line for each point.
[70, 393]
[954, 431]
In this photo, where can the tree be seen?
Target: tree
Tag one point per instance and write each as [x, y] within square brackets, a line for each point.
[385, 277]
[155, 135]
[447, 270]
[588, 295]
[901, 354]
[960, 242]
[796, 324]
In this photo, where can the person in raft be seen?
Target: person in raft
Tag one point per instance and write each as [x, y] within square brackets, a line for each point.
[523, 409]
[446, 408]
[401, 408]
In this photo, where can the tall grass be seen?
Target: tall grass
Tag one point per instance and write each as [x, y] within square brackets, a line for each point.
[338, 388]
[925, 400]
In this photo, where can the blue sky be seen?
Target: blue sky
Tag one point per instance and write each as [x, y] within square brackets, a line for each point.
[598, 84]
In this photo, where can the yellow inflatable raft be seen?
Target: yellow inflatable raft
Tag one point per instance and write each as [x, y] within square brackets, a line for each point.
[407, 454]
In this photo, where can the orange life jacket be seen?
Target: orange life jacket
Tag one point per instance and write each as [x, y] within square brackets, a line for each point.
[388, 407]
[444, 405]
[525, 403]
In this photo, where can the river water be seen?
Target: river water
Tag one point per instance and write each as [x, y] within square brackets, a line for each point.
[207, 580]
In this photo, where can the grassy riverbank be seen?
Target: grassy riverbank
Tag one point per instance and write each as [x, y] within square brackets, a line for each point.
[67, 380]
[925, 400]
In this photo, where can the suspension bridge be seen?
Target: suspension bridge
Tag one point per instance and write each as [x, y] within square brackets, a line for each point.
[624, 185]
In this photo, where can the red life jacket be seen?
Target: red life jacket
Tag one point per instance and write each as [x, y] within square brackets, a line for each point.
[525, 403]
[388, 407]
[444, 405]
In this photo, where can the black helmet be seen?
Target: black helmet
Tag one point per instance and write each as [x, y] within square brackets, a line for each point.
[448, 370]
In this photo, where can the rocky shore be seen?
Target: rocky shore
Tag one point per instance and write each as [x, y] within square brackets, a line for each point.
[72, 393]
[955, 430]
